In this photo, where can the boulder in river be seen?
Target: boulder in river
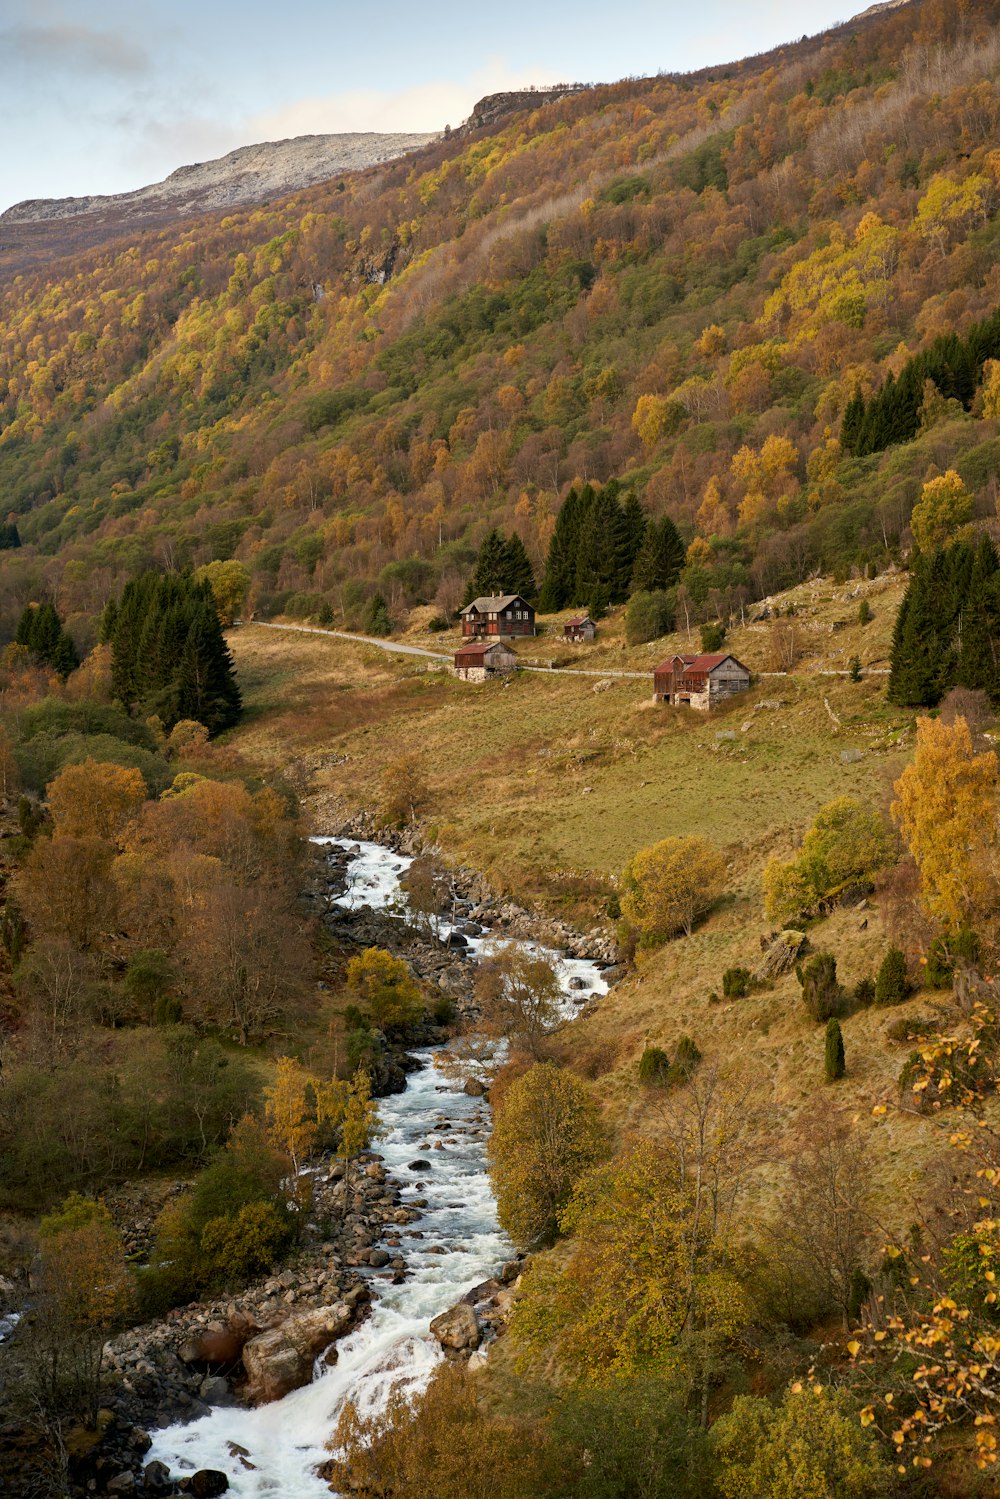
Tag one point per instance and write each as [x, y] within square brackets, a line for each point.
[419, 1166]
[457, 1328]
[282, 1359]
[207, 1483]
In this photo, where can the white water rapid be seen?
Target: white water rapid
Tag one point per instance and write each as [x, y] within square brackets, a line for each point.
[284, 1442]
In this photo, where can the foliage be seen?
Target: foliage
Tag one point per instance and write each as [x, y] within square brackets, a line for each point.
[518, 997]
[947, 625]
[638, 1276]
[41, 631]
[809, 1446]
[168, 653]
[654, 1067]
[944, 506]
[648, 616]
[892, 982]
[822, 993]
[834, 1065]
[385, 990]
[230, 584]
[939, 804]
[502, 567]
[405, 793]
[94, 801]
[546, 1133]
[736, 983]
[669, 886]
[848, 844]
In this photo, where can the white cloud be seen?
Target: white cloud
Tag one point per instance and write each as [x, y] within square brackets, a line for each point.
[427, 106]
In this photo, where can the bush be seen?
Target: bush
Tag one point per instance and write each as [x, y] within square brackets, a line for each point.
[906, 1027]
[945, 952]
[648, 616]
[654, 1067]
[808, 1447]
[686, 1058]
[834, 1065]
[712, 636]
[864, 612]
[736, 983]
[864, 992]
[822, 995]
[847, 845]
[892, 983]
[437, 624]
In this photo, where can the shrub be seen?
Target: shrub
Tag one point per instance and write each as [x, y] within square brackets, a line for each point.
[808, 1447]
[906, 1027]
[712, 636]
[945, 952]
[864, 992]
[864, 612]
[686, 1058]
[855, 669]
[736, 983]
[822, 995]
[654, 1067]
[892, 983]
[437, 624]
[648, 616]
[834, 1065]
[847, 845]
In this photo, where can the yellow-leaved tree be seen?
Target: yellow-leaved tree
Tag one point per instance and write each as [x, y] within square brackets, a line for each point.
[946, 810]
[943, 507]
[94, 800]
[230, 584]
[547, 1132]
[290, 1110]
[666, 888]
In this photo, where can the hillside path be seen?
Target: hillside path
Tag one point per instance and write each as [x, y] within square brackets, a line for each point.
[397, 647]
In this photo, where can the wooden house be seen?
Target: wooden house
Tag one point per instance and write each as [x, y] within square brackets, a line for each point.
[483, 659]
[502, 615]
[699, 681]
[578, 630]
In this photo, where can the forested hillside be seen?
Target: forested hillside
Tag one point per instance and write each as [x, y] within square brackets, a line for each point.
[711, 287]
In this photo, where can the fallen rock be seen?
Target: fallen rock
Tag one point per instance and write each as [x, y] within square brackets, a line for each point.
[474, 1088]
[282, 1359]
[457, 1328]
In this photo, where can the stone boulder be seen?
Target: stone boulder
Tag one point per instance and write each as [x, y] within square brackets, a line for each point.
[217, 1343]
[282, 1359]
[207, 1483]
[457, 1328]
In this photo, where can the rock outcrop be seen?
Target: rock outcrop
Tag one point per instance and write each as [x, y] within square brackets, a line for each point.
[282, 1359]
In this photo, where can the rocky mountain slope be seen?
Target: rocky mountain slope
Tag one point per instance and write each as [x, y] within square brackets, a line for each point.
[249, 175]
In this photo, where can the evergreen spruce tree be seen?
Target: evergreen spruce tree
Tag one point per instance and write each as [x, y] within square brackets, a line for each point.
[892, 984]
[377, 621]
[64, 657]
[921, 662]
[834, 1058]
[597, 573]
[559, 583]
[979, 652]
[40, 630]
[634, 524]
[854, 415]
[492, 566]
[518, 577]
[10, 537]
[660, 558]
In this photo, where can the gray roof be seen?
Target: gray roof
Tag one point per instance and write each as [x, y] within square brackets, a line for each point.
[494, 603]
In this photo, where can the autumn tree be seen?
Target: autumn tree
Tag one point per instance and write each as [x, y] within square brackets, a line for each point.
[230, 584]
[847, 845]
[670, 885]
[941, 799]
[518, 997]
[547, 1132]
[94, 800]
[290, 1110]
[405, 793]
[83, 1296]
[945, 505]
[385, 990]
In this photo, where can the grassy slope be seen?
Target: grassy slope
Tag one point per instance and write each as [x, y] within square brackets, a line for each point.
[550, 785]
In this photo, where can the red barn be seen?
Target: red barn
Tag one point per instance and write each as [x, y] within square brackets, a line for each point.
[482, 659]
[699, 681]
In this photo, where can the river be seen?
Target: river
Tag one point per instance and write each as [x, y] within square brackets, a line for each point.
[283, 1443]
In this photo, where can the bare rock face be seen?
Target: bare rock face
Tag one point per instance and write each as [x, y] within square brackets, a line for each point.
[457, 1328]
[282, 1359]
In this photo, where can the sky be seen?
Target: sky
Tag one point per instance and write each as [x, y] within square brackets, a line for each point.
[109, 95]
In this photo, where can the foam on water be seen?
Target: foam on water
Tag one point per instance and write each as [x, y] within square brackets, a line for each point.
[284, 1442]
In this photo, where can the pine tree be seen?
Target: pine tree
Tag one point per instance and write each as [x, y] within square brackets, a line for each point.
[377, 620]
[834, 1058]
[979, 653]
[634, 524]
[597, 556]
[40, 630]
[10, 537]
[922, 659]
